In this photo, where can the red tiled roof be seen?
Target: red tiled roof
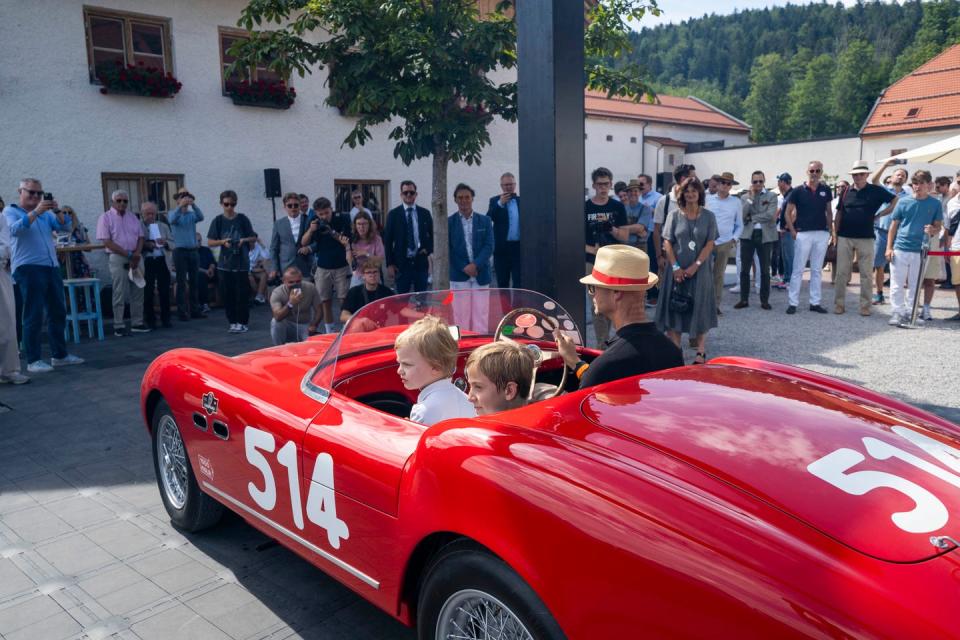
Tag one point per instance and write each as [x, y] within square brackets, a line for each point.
[671, 109]
[933, 90]
[668, 142]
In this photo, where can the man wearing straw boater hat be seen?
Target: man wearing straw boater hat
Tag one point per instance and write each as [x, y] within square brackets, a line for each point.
[618, 284]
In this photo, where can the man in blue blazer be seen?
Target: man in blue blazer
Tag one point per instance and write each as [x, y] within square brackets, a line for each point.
[471, 244]
[504, 212]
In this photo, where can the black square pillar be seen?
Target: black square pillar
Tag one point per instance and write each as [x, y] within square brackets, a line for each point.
[550, 100]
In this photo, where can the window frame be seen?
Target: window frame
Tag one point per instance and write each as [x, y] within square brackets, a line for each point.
[127, 18]
[233, 32]
[142, 178]
[352, 182]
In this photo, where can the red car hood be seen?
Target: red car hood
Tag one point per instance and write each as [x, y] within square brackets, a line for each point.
[877, 476]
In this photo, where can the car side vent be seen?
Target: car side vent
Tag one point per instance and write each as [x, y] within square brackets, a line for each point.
[221, 430]
[200, 421]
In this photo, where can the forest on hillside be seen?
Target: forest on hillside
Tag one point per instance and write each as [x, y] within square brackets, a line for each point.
[796, 71]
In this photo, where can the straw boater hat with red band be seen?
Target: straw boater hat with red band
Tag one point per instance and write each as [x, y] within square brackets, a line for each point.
[621, 267]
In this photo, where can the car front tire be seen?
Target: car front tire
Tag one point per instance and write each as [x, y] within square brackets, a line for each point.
[189, 508]
[469, 593]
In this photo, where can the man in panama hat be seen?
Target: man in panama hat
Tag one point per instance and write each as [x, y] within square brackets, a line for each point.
[618, 284]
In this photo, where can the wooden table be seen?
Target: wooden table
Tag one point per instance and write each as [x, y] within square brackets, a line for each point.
[67, 249]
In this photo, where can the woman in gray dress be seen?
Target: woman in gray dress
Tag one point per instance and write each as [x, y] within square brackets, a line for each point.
[688, 238]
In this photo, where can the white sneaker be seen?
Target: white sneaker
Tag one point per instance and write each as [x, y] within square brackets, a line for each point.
[66, 361]
[926, 315]
[894, 320]
[39, 366]
[735, 288]
[14, 378]
[242, 328]
[233, 328]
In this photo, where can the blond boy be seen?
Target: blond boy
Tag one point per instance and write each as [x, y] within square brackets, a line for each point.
[426, 358]
[500, 375]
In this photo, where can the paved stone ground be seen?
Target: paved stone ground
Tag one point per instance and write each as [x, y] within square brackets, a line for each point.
[86, 549]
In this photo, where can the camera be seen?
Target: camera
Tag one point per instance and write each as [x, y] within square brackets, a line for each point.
[47, 196]
[296, 287]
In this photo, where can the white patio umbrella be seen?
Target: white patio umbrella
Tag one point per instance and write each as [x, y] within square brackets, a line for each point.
[941, 152]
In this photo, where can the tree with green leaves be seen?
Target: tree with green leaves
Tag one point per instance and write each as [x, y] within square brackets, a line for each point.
[857, 81]
[766, 104]
[808, 113]
[425, 66]
[939, 28]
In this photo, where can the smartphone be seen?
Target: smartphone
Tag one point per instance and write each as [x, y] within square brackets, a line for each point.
[900, 161]
[296, 287]
[47, 196]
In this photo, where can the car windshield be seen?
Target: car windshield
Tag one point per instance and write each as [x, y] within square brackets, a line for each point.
[519, 314]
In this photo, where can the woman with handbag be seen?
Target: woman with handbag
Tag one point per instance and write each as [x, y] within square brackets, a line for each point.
[687, 302]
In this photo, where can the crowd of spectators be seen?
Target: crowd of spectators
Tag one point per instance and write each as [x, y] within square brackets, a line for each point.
[320, 266]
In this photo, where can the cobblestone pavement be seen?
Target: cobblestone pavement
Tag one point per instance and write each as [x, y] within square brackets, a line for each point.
[86, 549]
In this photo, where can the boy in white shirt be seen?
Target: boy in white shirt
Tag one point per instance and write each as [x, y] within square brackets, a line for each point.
[427, 357]
[500, 375]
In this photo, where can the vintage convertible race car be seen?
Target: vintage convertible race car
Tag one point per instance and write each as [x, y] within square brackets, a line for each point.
[741, 498]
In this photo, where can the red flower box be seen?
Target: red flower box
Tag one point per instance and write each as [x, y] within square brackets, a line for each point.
[138, 80]
[273, 95]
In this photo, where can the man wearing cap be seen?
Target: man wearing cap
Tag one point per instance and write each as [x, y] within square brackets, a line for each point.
[784, 186]
[810, 222]
[618, 285]
[857, 211]
[729, 214]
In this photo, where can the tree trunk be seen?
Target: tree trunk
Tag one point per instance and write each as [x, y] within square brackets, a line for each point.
[441, 246]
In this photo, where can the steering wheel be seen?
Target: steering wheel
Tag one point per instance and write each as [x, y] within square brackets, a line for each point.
[540, 323]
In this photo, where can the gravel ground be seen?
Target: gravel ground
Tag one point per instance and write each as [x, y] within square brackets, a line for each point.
[919, 366]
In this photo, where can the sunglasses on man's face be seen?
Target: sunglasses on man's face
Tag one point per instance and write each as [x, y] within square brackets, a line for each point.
[228, 204]
[814, 170]
[185, 194]
[121, 200]
[35, 194]
[408, 193]
[725, 183]
[293, 205]
[758, 181]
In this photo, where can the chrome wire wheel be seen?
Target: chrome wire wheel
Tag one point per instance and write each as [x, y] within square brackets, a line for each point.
[474, 615]
[172, 461]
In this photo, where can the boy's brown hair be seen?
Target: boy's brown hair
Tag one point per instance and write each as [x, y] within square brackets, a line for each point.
[430, 336]
[503, 362]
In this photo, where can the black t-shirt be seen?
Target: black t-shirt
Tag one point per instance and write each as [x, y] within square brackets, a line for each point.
[782, 214]
[330, 253]
[858, 208]
[358, 297]
[597, 216]
[811, 207]
[237, 256]
[636, 349]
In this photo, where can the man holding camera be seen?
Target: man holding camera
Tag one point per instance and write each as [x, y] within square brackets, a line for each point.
[504, 212]
[31, 225]
[296, 308]
[183, 223]
[328, 236]
[121, 234]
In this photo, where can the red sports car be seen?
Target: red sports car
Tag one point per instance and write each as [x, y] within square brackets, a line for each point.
[741, 498]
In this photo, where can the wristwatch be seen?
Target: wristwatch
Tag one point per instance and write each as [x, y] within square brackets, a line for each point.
[698, 262]
[289, 305]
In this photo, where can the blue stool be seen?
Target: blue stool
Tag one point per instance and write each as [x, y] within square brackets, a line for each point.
[89, 289]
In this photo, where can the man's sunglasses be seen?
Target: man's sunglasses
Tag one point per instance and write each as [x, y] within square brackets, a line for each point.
[121, 200]
[408, 193]
[726, 183]
[293, 205]
[814, 170]
[758, 181]
[185, 194]
[226, 203]
[35, 194]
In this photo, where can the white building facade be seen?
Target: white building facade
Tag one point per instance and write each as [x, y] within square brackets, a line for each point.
[82, 144]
